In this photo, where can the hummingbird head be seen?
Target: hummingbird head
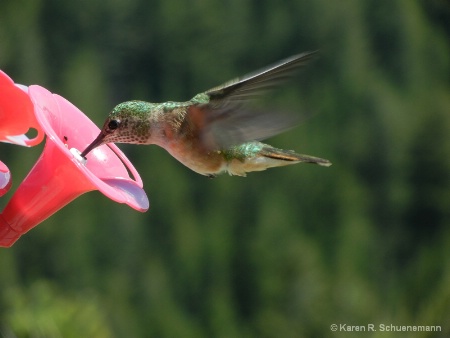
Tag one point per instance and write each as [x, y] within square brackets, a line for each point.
[127, 123]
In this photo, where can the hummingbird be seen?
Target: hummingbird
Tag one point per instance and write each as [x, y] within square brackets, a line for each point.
[215, 131]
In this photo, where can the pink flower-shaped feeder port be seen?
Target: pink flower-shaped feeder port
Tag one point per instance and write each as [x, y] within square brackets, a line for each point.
[5, 179]
[60, 175]
[17, 114]
[16, 119]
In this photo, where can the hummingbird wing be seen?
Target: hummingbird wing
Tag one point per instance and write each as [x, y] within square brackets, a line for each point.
[253, 84]
[222, 119]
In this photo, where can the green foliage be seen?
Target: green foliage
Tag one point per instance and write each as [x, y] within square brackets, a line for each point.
[282, 253]
[40, 311]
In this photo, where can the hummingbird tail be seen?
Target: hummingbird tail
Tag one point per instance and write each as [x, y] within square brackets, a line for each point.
[257, 156]
[291, 156]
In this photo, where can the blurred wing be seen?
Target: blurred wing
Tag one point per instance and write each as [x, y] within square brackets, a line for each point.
[223, 128]
[251, 85]
[224, 120]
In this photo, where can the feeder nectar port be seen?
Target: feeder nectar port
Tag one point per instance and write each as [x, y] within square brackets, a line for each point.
[77, 154]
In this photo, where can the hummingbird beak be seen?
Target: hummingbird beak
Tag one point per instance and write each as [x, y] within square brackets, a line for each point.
[97, 142]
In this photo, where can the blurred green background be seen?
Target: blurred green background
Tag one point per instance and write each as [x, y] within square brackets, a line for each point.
[282, 253]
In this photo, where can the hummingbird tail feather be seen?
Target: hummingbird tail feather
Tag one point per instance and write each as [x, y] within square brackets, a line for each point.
[241, 160]
[291, 156]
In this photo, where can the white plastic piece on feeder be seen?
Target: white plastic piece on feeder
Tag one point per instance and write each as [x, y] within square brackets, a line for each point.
[77, 154]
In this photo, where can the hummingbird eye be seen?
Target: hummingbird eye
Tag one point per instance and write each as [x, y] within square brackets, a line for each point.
[113, 125]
